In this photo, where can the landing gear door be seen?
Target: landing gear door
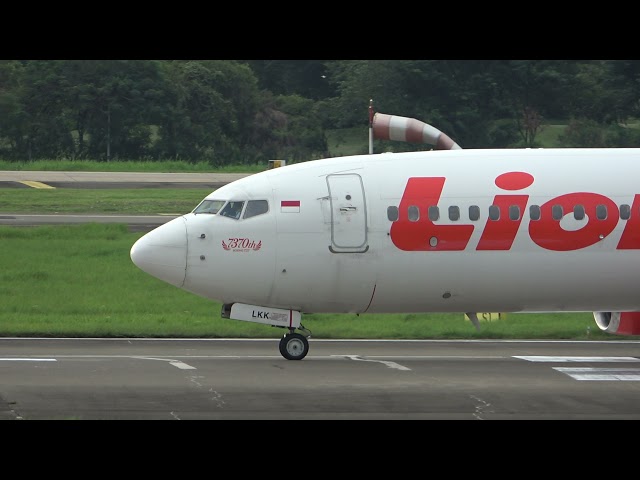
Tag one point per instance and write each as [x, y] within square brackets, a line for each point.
[348, 213]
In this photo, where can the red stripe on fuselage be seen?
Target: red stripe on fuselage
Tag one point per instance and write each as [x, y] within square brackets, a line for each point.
[415, 236]
[500, 234]
[547, 232]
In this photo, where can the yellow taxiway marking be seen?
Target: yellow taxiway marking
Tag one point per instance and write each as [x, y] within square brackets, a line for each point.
[36, 184]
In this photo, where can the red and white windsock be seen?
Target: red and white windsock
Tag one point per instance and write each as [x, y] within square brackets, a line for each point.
[403, 129]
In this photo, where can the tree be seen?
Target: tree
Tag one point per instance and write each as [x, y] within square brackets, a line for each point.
[305, 78]
[47, 132]
[125, 97]
[213, 104]
[13, 124]
[285, 127]
[529, 125]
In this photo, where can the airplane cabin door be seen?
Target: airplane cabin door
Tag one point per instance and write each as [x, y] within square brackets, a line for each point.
[348, 213]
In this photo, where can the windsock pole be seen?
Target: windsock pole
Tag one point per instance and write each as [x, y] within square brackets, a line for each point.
[370, 126]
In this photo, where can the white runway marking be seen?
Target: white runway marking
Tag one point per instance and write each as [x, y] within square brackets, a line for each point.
[591, 373]
[542, 358]
[27, 360]
[600, 374]
[388, 364]
[182, 365]
[175, 363]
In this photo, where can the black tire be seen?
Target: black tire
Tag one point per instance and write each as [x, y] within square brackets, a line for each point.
[294, 346]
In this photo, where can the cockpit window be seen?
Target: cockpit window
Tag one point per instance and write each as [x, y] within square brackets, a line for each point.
[232, 209]
[209, 206]
[256, 207]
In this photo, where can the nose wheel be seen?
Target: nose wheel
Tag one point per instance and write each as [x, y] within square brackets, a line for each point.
[294, 346]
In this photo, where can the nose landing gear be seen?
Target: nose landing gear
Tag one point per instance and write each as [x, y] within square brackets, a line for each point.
[295, 346]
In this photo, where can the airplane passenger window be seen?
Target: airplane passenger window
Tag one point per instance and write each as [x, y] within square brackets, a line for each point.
[625, 212]
[557, 212]
[454, 213]
[494, 212]
[209, 206]
[514, 212]
[434, 213]
[256, 207]
[414, 213]
[232, 210]
[474, 212]
[578, 212]
[534, 212]
[392, 213]
[601, 212]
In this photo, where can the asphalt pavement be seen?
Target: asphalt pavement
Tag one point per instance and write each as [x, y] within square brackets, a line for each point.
[101, 180]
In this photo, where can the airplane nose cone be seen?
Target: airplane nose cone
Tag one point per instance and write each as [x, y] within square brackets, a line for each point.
[163, 252]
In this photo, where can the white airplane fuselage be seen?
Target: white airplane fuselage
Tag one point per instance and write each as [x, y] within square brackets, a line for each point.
[353, 235]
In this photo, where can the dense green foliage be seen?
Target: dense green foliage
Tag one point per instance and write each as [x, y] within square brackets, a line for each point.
[247, 111]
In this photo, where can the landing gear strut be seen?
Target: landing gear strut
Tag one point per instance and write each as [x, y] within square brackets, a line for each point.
[295, 346]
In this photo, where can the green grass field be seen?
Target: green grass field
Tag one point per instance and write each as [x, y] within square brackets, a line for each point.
[79, 281]
[550, 135]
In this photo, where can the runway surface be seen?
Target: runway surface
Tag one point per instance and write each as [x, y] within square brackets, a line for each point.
[103, 180]
[231, 379]
[26, 179]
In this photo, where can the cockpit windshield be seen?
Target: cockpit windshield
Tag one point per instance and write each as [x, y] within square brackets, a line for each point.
[209, 206]
[233, 208]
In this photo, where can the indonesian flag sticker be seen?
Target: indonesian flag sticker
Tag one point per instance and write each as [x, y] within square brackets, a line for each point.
[290, 206]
